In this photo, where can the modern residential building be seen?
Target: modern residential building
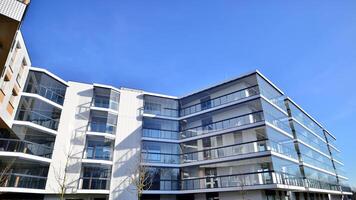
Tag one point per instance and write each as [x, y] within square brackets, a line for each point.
[239, 139]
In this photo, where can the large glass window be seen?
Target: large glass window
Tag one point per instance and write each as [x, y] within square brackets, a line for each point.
[317, 175]
[24, 174]
[160, 152]
[95, 177]
[106, 98]
[160, 106]
[97, 148]
[38, 112]
[316, 159]
[309, 138]
[238, 115]
[280, 143]
[305, 120]
[27, 140]
[331, 140]
[276, 117]
[102, 122]
[46, 86]
[340, 170]
[255, 171]
[160, 128]
[272, 94]
[163, 178]
[225, 93]
[286, 166]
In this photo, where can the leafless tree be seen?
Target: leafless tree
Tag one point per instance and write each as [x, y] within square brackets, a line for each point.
[4, 173]
[141, 177]
[64, 183]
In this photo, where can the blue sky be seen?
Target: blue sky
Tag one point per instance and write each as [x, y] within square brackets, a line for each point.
[305, 47]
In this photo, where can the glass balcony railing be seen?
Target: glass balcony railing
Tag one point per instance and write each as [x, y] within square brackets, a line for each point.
[226, 151]
[94, 183]
[220, 152]
[241, 120]
[341, 172]
[241, 180]
[14, 145]
[312, 183]
[314, 142]
[38, 118]
[165, 185]
[317, 163]
[235, 96]
[283, 149]
[24, 181]
[346, 189]
[167, 158]
[167, 112]
[160, 134]
[336, 155]
[105, 102]
[101, 127]
[99, 152]
[47, 92]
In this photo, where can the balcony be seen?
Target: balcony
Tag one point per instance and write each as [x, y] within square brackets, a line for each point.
[220, 152]
[241, 120]
[47, 92]
[27, 147]
[167, 158]
[221, 100]
[38, 118]
[160, 134]
[24, 181]
[101, 127]
[94, 183]
[243, 180]
[99, 152]
[317, 163]
[312, 183]
[226, 151]
[105, 102]
[160, 106]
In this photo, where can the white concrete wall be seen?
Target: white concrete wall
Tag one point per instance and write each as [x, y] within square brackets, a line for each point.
[70, 139]
[127, 145]
[18, 55]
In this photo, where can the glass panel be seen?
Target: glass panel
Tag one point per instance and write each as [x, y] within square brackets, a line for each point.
[38, 112]
[276, 117]
[316, 159]
[160, 106]
[99, 149]
[15, 145]
[309, 138]
[106, 98]
[305, 120]
[231, 97]
[272, 94]
[46, 86]
[241, 120]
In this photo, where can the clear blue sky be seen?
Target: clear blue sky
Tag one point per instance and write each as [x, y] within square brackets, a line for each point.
[307, 48]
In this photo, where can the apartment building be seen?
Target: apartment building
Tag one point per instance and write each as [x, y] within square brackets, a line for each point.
[239, 139]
